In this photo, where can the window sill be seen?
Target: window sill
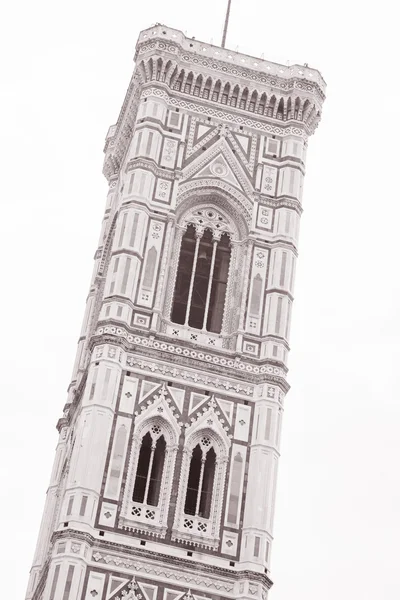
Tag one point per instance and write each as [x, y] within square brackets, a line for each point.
[189, 334]
[143, 519]
[196, 531]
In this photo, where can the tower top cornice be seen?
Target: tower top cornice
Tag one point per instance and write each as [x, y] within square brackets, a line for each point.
[229, 62]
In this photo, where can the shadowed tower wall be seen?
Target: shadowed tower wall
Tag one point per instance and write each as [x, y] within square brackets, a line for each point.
[164, 480]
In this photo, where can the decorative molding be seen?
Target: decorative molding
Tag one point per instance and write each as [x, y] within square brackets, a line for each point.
[236, 363]
[159, 419]
[190, 376]
[229, 199]
[228, 114]
[162, 571]
[220, 147]
[225, 61]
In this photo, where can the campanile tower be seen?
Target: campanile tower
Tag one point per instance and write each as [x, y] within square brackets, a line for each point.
[164, 478]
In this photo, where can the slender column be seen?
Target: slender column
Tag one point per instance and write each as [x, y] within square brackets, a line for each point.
[245, 280]
[203, 460]
[189, 301]
[146, 492]
[210, 279]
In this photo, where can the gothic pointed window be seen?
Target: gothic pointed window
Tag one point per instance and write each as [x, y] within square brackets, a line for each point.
[200, 496]
[200, 482]
[149, 469]
[202, 276]
[148, 489]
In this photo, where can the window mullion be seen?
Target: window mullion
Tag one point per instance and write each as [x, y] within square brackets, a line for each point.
[146, 492]
[203, 460]
[210, 280]
[189, 301]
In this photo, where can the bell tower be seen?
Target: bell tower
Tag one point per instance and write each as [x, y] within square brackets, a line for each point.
[164, 479]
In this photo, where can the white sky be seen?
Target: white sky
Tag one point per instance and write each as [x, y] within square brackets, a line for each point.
[65, 71]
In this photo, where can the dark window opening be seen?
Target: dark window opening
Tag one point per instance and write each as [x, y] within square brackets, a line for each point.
[200, 483]
[201, 281]
[148, 483]
[185, 268]
[193, 481]
[156, 473]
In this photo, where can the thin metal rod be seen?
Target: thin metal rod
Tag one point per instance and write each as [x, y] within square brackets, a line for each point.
[228, 11]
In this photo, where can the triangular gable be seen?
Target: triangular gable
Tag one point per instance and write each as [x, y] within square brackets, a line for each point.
[219, 168]
[208, 417]
[219, 162]
[160, 406]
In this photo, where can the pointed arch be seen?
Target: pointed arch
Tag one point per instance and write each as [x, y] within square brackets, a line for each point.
[167, 68]
[188, 83]
[243, 98]
[262, 104]
[296, 108]
[253, 101]
[197, 85]
[216, 91]
[289, 108]
[306, 110]
[179, 81]
[235, 95]
[174, 76]
[207, 88]
[225, 93]
[280, 110]
[159, 69]
[150, 470]
[147, 67]
[201, 488]
[271, 106]
[153, 66]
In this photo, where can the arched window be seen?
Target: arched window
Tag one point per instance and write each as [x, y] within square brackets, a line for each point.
[207, 87]
[201, 487]
[150, 468]
[200, 482]
[202, 275]
[235, 95]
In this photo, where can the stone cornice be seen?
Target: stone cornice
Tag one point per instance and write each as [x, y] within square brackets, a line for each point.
[281, 202]
[150, 165]
[226, 62]
[108, 553]
[222, 112]
[193, 365]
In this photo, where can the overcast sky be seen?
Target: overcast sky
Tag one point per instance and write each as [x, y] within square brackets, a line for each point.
[65, 69]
